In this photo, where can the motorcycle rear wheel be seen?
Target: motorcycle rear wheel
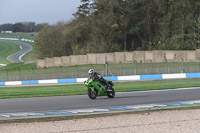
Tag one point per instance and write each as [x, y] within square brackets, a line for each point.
[92, 94]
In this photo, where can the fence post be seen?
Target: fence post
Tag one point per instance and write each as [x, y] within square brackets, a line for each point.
[91, 66]
[120, 68]
[151, 67]
[61, 72]
[199, 63]
[7, 74]
[45, 72]
[106, 67]
[182, 66]
[135, 67]
[33, 74]
[19, 74]
[77, 71]
[167, 70]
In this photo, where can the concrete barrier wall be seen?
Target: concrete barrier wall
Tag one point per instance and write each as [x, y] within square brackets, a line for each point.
[110, 57]
[49, 62]
[170, 55]
[41, 63]
[190, 56]
[124, 57]
[92, 58]
[159, 56]
[198, 54]
[119, 57]
[129, 57]
[57, 61]
[82, 59]
[180, 55]
[74, 60]
[66, 60]
[149, 56]
[101, 58]
[139, 56]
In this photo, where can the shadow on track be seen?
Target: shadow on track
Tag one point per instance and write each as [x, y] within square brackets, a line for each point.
[120, 97]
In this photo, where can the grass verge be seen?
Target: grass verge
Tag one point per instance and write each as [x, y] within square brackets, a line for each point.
[7, 49]
[30, 55]
[10, 48]
[19, 35]
[80, 89]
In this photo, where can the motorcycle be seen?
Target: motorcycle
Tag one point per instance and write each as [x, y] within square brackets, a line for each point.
[95, 88]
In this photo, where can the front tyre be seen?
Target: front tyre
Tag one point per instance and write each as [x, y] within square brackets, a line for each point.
[112, 93]
[92, 94]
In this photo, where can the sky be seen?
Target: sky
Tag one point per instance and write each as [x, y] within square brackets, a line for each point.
[39, 11]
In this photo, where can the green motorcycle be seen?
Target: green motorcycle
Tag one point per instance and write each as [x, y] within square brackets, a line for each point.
[95, 88]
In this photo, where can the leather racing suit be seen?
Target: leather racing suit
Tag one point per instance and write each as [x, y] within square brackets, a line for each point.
[97, 77]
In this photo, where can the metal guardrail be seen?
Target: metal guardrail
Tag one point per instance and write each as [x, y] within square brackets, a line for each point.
[113, 78]
[80, 71]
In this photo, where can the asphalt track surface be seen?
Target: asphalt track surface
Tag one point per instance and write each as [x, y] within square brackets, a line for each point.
[83, 102]
[16, 57]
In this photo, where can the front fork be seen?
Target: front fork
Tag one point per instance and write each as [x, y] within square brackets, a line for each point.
[92, 88]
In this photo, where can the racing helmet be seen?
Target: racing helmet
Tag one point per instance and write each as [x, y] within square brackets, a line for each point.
[90, 72]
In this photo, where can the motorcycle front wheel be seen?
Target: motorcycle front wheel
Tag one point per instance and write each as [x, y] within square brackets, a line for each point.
[112, 93]
[92, 94]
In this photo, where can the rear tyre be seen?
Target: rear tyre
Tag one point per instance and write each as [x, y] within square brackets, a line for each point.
[111, 94]
[92, 94]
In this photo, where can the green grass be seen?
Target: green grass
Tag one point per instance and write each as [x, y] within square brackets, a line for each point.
[154, 85]
[13, 71]
[30, 55]
[7, 49]
[14, 66]
[63, 90]
[18, 35]
[4, 61]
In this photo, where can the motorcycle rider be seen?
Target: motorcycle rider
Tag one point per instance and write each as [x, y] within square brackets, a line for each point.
[95, 76]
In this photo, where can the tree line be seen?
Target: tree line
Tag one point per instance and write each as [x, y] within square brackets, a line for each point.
[22, 27]
[124, 25]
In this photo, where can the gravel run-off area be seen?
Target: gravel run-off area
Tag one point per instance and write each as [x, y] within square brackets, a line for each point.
[173, 121]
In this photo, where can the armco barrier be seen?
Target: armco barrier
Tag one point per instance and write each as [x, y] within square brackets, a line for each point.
[115, 78]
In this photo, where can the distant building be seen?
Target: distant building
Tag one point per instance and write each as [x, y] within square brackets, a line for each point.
[6, 32]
